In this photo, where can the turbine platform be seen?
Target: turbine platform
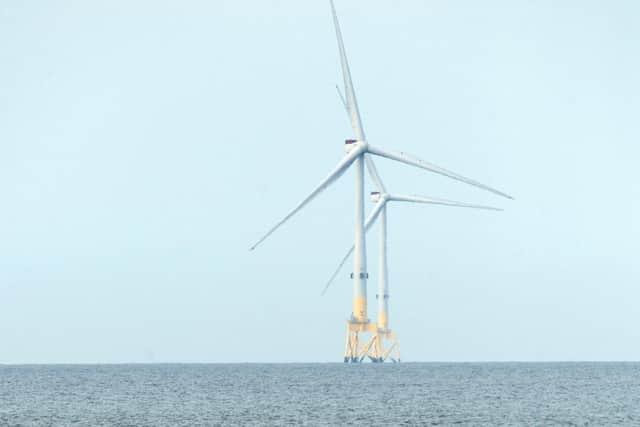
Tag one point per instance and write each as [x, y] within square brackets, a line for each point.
[365, 339]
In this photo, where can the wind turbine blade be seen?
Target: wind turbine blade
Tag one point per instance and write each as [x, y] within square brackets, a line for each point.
[342, 166]
[371, 167]
[344, 102]
[413, 161]
[373, 173]
[337, 271]
[352, 104]
[373, 215]
[435, 201]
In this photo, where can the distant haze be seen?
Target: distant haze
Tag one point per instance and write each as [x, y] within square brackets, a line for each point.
[144, 146]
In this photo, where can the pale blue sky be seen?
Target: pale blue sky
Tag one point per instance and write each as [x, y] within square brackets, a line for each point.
[145, 145]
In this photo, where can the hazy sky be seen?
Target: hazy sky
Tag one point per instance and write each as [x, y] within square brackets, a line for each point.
[145, 145]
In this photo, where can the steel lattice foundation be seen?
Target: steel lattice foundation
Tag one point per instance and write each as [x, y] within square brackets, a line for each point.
[365, 340]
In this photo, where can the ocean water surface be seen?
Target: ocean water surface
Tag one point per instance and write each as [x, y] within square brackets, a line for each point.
[320, 394]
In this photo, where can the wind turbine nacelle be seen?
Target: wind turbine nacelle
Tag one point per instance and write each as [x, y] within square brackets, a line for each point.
[375, 196]
[349, 144]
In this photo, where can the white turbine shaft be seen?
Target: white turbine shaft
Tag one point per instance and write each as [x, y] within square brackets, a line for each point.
[360, 255]
[383, 277]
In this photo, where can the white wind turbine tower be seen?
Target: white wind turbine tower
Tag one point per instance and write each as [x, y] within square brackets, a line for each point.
[375, 349]
[357, 150]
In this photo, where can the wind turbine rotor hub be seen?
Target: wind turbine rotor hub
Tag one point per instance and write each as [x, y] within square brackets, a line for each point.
[377, 196]
[350, 144]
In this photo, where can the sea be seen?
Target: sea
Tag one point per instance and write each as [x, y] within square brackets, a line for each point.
[403, 394]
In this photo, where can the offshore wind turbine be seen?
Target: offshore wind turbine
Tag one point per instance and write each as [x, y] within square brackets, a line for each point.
[375, 349]
[356, 154]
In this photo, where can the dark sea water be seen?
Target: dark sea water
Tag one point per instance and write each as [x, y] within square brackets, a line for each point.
[321, 394]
